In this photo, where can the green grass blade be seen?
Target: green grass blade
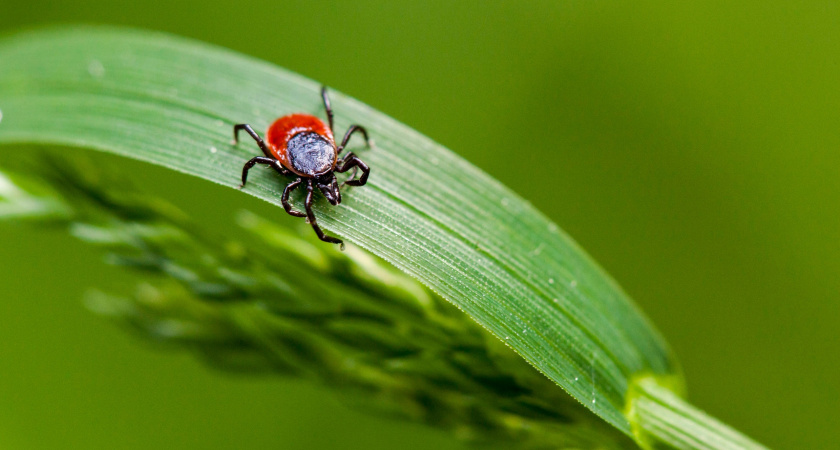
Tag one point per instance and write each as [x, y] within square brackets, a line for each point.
[663, 420]
[173, 102]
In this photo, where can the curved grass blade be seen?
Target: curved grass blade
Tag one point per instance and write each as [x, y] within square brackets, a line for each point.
[663, 420]
[172, 102]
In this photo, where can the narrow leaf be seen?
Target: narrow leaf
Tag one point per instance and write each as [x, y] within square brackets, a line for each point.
[173, 102]
[663, 420]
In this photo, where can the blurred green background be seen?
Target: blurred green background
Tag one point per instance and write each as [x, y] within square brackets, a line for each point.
[690, 147]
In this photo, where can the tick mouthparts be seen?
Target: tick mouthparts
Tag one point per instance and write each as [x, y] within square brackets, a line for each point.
[331, 193]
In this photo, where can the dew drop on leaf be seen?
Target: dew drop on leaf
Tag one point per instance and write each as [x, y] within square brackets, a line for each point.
[96, 69]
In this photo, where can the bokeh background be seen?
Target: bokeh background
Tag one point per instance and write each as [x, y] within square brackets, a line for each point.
[690, 147]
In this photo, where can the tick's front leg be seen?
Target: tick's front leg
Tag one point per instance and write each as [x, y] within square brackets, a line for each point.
[311, 216]
[285, 198]
[351, 161]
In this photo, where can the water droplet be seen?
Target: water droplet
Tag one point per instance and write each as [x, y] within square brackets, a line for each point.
[96, 69]
[507, 337]
[1, 115]
[524, 331]
[593, 401]
[551, 281]
[213, 150]
[556, 300]
[576, 378]
[552, 228]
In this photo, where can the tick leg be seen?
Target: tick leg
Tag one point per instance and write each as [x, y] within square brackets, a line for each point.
[253, 161]
[327, 106]
[285, 198]
[280, 169]
[249, 130]
[350, 131]
[311, 216]
[353, 161]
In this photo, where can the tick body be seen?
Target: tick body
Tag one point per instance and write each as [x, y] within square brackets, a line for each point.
[304, 146]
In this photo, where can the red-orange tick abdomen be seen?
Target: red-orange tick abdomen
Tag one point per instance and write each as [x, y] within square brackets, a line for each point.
[303, 144]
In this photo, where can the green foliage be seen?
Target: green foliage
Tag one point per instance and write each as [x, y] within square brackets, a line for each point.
[173, 102]
[662, 420]
[278, 301]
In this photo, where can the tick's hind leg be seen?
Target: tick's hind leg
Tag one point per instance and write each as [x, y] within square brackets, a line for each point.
[327, 106]
[311, 217]
[350, 131]
[285, 198]
[254, 135]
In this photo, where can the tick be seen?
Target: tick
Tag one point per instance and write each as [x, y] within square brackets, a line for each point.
[302, 145]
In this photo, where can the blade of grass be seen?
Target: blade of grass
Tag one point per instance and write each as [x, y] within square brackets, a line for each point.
[173, 102]
[663, 420]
